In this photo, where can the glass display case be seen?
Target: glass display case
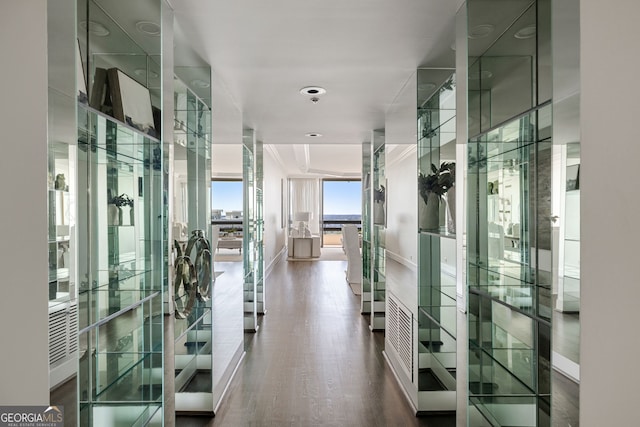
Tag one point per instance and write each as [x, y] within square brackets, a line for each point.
[509, 291]
[191, 227]
[253, 226]
[121, 264]
[367, 227]
[437, 270]
[509, 209]
[379, 214]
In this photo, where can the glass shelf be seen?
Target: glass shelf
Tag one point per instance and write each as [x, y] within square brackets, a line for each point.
[442, 233]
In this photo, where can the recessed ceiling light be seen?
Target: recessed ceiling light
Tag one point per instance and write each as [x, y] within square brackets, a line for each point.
[313, 90]
[526, 32]
[480, 31]
[313, 135]
[142, 72]
[149, 28]
[200, 83]
[426, 86]
[95, 28]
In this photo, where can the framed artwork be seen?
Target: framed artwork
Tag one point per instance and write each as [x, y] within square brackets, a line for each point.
[573, 177]
[131, 101]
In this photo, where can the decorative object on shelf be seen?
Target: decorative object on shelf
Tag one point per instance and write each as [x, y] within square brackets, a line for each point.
[451, 208]
[114, 214]
[131, 102]
[60, 183]
[432, 189]
[379, 199]
[193, 277]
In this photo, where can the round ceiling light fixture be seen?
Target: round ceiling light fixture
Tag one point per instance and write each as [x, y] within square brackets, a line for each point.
[313, 90]
[141, 72]
[484, 74]
[199, 83]
[148, 28]
[313, 134]
[481, 31]
[526, 32]
[426, 86]
[95, 28]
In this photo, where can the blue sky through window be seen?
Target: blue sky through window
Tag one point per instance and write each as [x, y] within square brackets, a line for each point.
[226, 195]
[342, 198]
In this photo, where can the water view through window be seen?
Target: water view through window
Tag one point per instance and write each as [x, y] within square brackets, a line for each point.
[341, 204]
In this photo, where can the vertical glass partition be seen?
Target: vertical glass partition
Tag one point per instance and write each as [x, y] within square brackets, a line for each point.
[509, 209]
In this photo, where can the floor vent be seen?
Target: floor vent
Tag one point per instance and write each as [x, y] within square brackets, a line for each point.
[400, 333]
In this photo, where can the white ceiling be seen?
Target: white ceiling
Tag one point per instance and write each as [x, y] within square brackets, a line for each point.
[361, 51]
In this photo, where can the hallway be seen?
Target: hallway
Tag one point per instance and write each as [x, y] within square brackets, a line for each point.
[314, 361]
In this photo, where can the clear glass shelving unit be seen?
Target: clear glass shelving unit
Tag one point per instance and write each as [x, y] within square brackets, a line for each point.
[509, 209]
[379, 224]
[122, 223]
[437, 325]
[120, 298]
[367, 226]
[253, 251]
[193, 329]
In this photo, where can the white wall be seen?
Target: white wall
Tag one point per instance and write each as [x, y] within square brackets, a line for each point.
[402, 203]
[23, 115]
[275, 187]
[610, 291]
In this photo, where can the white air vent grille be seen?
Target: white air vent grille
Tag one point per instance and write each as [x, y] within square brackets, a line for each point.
[392, 322]
[400, 333]
[57, 336]
[73, 328]
[63, 333]
[405, 339]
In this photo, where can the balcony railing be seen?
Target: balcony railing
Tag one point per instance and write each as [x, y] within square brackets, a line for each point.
[332, 230]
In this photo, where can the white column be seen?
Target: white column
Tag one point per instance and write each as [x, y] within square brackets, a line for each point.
[610, 233]
[23, 226]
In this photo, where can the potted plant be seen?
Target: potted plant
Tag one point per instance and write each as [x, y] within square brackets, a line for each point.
[432, 188]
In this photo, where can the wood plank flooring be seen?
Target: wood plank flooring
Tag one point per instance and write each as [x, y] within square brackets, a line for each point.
[314, 361]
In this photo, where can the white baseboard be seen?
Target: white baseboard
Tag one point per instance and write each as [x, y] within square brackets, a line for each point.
[279, 257]
[566, 367]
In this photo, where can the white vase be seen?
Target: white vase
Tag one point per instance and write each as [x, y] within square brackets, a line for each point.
[451, 199]
[429, 214]
[132, 216]
[113, 214]
[378, 213]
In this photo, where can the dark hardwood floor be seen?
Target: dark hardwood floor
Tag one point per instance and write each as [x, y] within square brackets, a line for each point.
[314, 361]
